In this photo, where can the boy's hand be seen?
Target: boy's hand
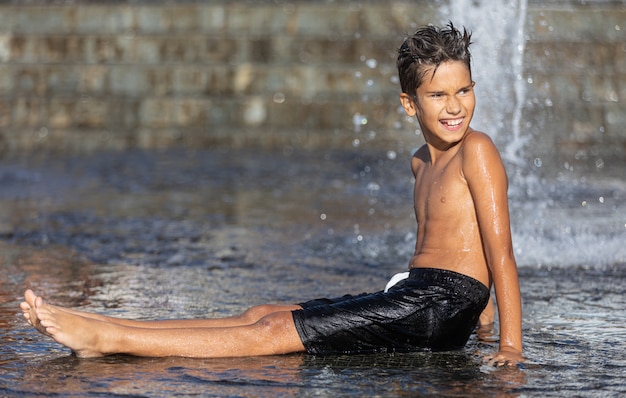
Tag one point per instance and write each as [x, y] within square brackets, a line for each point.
[505, 358]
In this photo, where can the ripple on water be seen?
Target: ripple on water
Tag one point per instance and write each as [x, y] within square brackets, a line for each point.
[168, 235]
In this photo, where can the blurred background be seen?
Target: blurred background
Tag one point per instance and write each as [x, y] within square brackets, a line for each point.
[85, 75]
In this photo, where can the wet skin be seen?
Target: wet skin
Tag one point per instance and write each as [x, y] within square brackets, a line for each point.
[460, 186]
[460, 198]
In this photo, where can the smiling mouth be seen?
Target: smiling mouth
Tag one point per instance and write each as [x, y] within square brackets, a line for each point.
[453, 123]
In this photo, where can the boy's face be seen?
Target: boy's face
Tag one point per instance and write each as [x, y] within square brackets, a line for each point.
[445, 104]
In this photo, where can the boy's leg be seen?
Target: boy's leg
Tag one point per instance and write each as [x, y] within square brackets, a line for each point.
[487, 317]
[250, 316]
[87, 337]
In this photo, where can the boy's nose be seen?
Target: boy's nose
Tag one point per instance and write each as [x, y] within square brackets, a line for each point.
[453, 105]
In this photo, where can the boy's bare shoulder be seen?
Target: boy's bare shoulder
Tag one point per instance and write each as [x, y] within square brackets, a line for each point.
[475, 137]
[478, 146]
[481, 161]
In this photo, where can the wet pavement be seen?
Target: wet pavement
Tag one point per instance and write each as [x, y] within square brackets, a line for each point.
[208, 233]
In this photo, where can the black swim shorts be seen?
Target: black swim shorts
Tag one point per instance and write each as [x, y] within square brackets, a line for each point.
[432, 309]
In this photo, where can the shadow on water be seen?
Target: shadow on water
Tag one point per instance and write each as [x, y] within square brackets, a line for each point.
[203, 234]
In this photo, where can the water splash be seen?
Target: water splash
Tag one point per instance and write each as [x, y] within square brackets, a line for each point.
[568, 217]
[512, 151]
[499, 41]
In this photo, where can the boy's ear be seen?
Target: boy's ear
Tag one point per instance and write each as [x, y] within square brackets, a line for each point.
[408, 104]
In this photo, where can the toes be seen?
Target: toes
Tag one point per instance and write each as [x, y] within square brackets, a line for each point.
[47, 322]
[30, 296]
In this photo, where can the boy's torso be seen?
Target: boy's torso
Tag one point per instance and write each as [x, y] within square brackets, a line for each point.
[448, 233]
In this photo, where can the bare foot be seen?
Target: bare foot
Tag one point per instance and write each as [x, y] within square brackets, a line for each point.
[28, 309]
[76, 332]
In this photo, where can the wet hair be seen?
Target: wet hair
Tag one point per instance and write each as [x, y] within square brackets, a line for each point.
[428, 47]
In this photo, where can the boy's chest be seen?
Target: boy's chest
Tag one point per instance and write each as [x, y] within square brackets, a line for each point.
[441, 191]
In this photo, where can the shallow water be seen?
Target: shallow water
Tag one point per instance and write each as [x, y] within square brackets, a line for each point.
[204, 234]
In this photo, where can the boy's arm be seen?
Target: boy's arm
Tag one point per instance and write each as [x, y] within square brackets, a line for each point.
[487, 181]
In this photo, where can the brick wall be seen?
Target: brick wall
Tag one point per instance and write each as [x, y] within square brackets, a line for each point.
[575, 59]
[96, 75]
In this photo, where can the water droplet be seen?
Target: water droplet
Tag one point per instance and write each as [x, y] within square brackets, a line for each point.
[255, 112]
[372, 186]
[323, 216]
[358, 120]
[391, 155]
[584, 203]
[371, 63]
[538, 162]
[279, 97]
[42, 133]
[601, 199]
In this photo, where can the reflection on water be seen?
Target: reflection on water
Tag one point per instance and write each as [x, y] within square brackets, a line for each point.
[452, 374]
[204, 234]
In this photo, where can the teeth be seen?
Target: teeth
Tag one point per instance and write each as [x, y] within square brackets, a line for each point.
[454, 122]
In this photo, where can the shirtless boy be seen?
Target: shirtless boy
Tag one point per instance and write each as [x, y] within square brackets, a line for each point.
[463, 248]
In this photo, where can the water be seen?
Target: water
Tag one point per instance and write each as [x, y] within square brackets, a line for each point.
[207, 233]
[497, 55]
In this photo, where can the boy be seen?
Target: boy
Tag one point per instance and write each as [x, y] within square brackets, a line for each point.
[463, 246]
